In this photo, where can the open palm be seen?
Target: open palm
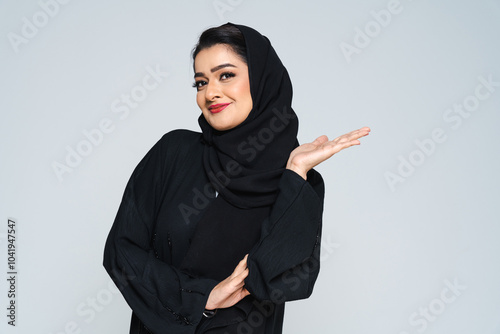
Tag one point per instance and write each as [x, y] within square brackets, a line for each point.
[308, 155]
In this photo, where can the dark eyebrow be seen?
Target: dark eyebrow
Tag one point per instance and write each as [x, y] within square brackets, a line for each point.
[215, 69]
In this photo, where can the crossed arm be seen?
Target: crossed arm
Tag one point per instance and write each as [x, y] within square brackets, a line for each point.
[302, 159]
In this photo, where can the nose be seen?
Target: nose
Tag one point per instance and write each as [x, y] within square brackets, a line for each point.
[212, 91]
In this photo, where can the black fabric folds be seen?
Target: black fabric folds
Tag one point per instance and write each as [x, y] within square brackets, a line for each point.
[245, 163]
[173, 240]
[223, 237]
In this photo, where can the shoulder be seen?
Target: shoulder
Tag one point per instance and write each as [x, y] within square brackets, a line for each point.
[176, 144]
[180, 140]
[180, 136]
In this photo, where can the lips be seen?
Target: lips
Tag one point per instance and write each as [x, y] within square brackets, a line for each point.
[218, 107]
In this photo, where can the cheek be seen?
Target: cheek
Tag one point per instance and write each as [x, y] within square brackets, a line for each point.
[247, 96]
[243, 93]
[199, 100]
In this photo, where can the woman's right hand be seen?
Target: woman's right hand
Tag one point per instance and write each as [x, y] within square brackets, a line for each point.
[231, 290]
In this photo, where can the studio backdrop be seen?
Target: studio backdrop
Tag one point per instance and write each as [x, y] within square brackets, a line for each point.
[411, 221]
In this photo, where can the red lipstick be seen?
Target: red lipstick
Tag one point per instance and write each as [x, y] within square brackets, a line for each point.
[215, 108]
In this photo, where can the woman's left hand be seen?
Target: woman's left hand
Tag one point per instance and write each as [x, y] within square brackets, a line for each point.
[306, 156]
[231, 290]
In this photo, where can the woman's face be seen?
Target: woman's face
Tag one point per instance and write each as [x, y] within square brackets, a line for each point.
[221, 78]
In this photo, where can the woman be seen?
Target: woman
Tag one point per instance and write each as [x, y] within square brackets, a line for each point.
[216, 230]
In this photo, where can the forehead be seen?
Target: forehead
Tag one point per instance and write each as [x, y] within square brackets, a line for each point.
[216, 55]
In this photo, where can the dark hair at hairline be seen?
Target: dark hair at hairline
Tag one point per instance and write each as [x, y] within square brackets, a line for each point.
[226, 34]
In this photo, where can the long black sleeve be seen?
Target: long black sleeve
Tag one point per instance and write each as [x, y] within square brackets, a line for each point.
[284, 265]
[164, 298]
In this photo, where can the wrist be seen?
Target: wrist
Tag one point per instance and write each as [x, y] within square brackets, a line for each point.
[297, 169]
[210, 306]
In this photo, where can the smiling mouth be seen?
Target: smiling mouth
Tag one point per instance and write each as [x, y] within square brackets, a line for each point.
[218, 107]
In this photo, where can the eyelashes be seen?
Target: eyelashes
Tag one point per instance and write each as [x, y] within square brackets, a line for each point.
[227, 74]
[224, 76]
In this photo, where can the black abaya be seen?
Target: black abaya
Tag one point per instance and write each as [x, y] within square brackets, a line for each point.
[173, 240]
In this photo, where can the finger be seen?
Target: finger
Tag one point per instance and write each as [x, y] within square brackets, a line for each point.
[240, 267]
[348, 143]
[356, 134]
[362, 132]
[245, 292]
[358, 131]
[243, 262]
[320, 140]
[354, 142]
[238, 295]
[242, 292]
[240, 278]
[335, 147]
[234, 287]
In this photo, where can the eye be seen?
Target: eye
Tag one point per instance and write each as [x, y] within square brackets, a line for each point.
[198, 84]
[226, 75]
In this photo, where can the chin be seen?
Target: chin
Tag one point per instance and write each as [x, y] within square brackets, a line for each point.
[221, 127]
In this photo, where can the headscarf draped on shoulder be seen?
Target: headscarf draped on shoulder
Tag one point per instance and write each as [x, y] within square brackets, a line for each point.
[245, 163]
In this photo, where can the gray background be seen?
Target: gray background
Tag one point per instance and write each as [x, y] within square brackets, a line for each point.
[390, 248]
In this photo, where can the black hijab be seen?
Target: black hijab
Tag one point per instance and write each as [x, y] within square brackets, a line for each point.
[261, 145]
[244, 164]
